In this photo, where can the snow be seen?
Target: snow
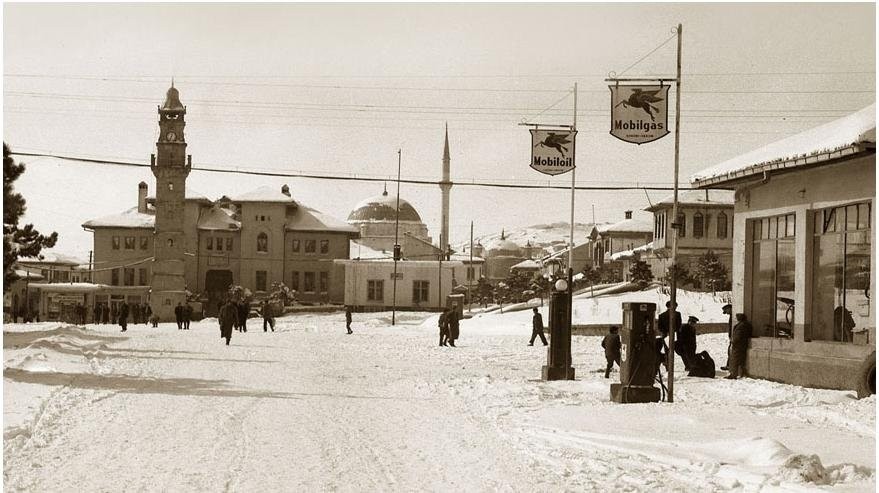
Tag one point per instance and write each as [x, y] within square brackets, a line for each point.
[835, 135]
[697, 197]
[263, 194]
[310, 408]
[130, 218]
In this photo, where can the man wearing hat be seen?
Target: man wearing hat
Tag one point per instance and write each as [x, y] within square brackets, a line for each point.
[727, 310]
[685, 345]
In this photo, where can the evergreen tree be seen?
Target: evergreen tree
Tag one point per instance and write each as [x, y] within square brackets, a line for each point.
[711, 271]
[17, 241]
[640, 272]
[680, 274]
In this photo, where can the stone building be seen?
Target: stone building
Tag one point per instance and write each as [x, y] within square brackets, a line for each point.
[803, 252]
[606, 240]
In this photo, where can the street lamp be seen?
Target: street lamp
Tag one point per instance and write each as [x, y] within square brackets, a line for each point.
[558, 355]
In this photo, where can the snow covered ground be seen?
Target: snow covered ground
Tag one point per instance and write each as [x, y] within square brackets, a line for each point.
[310, 408]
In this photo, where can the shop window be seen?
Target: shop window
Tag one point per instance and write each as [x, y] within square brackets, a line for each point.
[142, 277]
[116, 242]
[773, 273]
[295, 246]
[324, 246]
[114, 277]
[219, 244]
[308, 282]
[682, 225]
[375, 290]
[310, 246]
[262, 243]
[841, 274]
[129, 276]
[228, 244]
[210, 244]
[471, 273]
[144, 242]
[260, 280]
[324, 280]
[721, 225]
[698, 225]
[420, 291]
[294, 282]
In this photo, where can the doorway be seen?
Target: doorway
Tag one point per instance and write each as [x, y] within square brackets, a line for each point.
[217, 283]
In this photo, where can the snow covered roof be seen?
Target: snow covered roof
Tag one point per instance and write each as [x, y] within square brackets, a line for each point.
[67, 286]
[633, 225]
[631, 253]
[188, 194]
[50, 257]
[832, 140]
[465, 257]
[263, 194]
[218, 219]
[383, 208]
[720, 198]
[363, 252]
[526, 264]
[305, 218]
[127, 219]
[26, 274]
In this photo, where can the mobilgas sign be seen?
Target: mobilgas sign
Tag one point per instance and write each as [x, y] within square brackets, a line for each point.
[552, 151]
[639, 114]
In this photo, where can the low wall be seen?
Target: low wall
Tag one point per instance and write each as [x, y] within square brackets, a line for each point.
[602, 329]
[823, 365]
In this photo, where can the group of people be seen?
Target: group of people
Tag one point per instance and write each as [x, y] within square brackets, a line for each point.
[183, 315]
[232, 315]
[449, 328]
[105, 313]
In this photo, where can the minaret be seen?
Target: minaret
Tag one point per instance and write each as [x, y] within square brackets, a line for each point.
[446, 187]
[170, 166]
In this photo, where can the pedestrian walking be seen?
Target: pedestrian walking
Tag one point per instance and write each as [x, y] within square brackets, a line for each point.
[611, 344]
[96, 312]
[114, 312]
[135, 313]
[454, 328]
[348, 319]
[105, 314]
[268, 316]
[187, 315]
[685, 342]
[123, 316]
[243, 312]
[227, 317]
[741, 335]
[80, 314]
[727, 310]
[537, 327]
[178, 315]
[443, 324]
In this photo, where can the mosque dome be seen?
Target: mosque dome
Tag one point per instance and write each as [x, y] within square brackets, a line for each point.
[503, 246]
[383, 208]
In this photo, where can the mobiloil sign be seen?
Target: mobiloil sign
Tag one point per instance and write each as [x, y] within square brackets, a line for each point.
[552, 151]
[639, 114]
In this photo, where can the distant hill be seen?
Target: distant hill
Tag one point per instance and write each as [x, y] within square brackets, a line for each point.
[551, 237]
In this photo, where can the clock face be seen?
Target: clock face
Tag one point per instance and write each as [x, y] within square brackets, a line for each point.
[171, 136]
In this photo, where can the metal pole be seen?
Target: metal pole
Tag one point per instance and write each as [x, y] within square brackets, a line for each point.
[571, 243]
[396, 238]
[471, 274]
[674, 241]
[91, 279]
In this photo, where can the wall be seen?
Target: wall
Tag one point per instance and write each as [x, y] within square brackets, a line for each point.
[106, 258]
[252, 224]
[339, 245]
[358, 272]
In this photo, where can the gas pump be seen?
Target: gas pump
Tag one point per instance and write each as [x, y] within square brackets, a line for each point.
[558, 354]
[637, 355]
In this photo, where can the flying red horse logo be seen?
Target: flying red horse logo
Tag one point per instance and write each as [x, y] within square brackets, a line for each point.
[642, 99]
[555, 141]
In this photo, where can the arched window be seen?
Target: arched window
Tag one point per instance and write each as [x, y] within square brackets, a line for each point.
[698, 225]
[721, 225]
[682, 225]
[262, 242]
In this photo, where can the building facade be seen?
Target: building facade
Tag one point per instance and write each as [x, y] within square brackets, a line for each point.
[803, 253]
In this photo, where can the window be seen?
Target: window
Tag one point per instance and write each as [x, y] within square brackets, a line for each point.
[129, 276]
[260, 280]
[114, 277]
[471, 273]
[308, 282]
[142, 277]
[115, 243]
[773, 272]
[698, 225]
[210, 244]
[262, 243]
[721, 225]
[375, 290]
[324, 280]
[219, 244]
[309, 246]
[296, 246]
[841, 274]
[324, 246]
[420, 291]
[656, 223]
[294, 283]
[144, 242]
[682, 225]
[170, 186]
[228, 244]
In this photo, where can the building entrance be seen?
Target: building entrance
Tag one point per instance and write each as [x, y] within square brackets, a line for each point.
[216, 283]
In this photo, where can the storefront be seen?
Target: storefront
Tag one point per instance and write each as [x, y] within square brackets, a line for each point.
[66, 302]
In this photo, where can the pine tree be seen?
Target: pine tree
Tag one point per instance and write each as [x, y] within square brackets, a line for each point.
[17, 242]
[640, 272]
[711, 271]
[679, 273]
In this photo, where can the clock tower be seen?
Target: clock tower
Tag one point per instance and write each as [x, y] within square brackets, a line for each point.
[170, 166]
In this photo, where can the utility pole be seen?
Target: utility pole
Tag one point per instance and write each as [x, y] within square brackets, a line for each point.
[674, 240]
[396, 239]
[91, 274]
[471, 274]
[571, 243]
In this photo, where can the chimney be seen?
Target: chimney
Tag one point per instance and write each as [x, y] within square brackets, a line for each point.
[628, 214]
[141, 197]
[285, 190]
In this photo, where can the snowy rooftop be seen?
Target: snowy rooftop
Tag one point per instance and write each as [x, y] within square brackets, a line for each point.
[697, 197]
[128, 219]
[308, 219]
[526, 264]
[263, 194]
[363, 252]
[633, 225]
[630, 253]
[189, 194]
[50, 257]
[218, 219]
[823, 143]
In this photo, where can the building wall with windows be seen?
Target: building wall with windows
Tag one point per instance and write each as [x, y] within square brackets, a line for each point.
[121, 250]
[421, 285]
[802, 272]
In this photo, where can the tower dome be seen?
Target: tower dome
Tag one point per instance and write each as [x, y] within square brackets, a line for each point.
[383, 208]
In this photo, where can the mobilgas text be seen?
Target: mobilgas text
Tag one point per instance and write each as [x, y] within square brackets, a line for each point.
[637, 125]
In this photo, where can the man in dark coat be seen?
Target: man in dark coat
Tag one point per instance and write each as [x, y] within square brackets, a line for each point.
[105, 314]
[268, 317]
[741, 335]
[123, 316]
[135, 313]
[612, 345]
[227, 317]
[663, 322]
[727, 310]
[537, 327]
[187, 315]
[178, 315]
[114, 313]
[685, 342]
[348, 319]
[243, 312]
[443, 324]
[452, 320]
[97, 313]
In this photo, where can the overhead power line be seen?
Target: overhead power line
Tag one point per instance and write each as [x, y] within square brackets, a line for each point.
[344, 178]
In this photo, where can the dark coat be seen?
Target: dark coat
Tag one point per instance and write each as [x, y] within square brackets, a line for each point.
[348, 315]
[267, 312]
[178, 312]
[452, 320]
[741, 334]
[123, 311]
[537, 323]
[686, 340]
[663, 325]
[228, 316]
[187, 312]
[612, 345]
[243, 312]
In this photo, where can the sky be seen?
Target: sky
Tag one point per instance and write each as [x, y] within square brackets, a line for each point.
[339, 88]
